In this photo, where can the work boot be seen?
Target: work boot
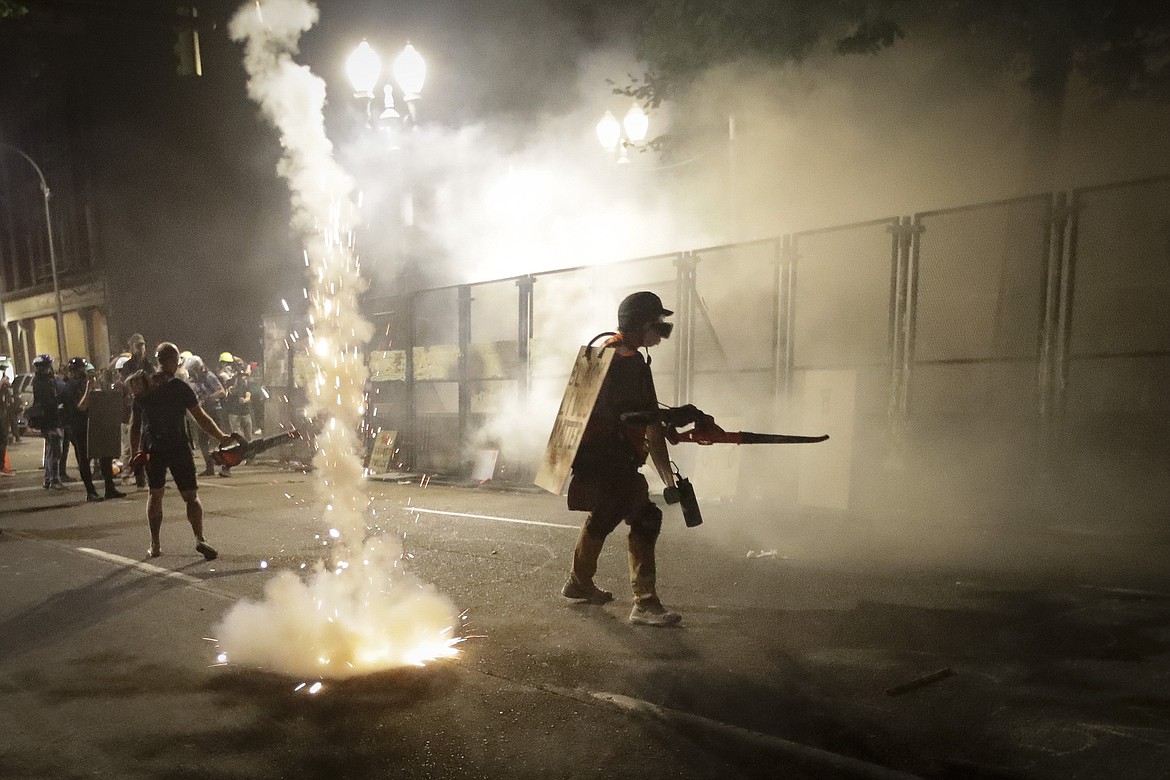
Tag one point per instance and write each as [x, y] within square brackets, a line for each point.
[643, 569]
[650, 612]
[590, 593]
[580, 583]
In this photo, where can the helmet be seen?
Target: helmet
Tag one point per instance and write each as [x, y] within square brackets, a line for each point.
[43, 363]
[639, 308]
[78, 363]
[226, 357]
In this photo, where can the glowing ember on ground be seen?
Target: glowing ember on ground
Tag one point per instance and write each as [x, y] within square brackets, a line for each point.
[344, 620]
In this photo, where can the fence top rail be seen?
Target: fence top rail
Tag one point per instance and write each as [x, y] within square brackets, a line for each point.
[848, 226]
[1038, 197]
[990, 204]
[735, 245]
[1120, 184]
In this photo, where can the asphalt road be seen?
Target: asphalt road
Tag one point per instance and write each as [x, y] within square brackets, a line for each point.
[1049, 648]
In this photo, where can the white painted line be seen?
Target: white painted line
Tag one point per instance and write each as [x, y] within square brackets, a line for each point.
[489, 517]
[31, 488]
[140, 565]
[822, 761]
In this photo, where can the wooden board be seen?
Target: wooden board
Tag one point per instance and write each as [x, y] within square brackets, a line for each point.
[585, 382]
[382, 457]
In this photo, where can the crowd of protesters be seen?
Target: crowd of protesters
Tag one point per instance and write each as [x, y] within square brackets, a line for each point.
[60, 410]
[138, 417]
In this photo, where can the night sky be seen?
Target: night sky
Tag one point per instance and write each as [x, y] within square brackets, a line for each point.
[192, 217]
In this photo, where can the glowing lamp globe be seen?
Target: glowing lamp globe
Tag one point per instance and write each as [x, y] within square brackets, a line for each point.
[636, 124]
[364, 67]
[609, 132]
[410, 72]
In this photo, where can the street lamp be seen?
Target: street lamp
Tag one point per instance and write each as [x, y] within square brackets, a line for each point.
[364, 68]
[609, 131]
[52, 251]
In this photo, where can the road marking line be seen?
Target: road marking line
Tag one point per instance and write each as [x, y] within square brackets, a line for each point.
[489, 517]
[802, 755]
[31, 488]
[140, 565]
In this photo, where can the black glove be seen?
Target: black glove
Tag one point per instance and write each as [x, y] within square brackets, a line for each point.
[675, 417]
[679, 416]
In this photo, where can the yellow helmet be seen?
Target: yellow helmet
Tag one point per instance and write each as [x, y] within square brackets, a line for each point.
[226, 357]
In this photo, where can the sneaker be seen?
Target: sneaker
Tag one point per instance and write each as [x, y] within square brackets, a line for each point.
[154, 552]
[206, 550]
[207, 473]
[225, 473]
[652, 613]
[93, 498]
[55, 486]
[590, 593]
[115, 493]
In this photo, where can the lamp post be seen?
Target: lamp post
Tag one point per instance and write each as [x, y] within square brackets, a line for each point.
[364, 68]
[52, 251]
[609, 132]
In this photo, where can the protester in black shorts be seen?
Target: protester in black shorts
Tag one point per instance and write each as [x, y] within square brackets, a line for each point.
[158, 428]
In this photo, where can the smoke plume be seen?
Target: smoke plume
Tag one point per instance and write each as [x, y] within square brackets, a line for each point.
[356, 613]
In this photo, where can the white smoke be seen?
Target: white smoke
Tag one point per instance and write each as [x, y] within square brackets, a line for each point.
[358, 613]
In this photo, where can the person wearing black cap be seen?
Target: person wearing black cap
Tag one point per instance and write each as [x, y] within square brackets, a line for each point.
[606, 481]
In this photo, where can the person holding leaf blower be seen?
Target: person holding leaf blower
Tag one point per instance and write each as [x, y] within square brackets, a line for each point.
[158, 435]
[606, 481]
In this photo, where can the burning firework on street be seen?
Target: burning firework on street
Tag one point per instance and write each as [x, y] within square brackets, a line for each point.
[357, 612]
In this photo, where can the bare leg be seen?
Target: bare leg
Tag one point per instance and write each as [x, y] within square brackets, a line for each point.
[194, 512]
[195, 518]
[154, 517]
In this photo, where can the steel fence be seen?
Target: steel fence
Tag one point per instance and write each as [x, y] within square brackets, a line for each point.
[927, 343]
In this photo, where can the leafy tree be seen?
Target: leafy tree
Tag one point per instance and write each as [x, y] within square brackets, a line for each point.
[9, 9]
[1120, 48]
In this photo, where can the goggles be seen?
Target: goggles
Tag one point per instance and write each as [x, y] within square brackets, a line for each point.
[663, 329]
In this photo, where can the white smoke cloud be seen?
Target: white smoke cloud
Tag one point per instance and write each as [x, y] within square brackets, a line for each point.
[359, 613]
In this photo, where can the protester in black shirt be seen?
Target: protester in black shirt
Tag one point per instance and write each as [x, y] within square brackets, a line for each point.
[158, 429]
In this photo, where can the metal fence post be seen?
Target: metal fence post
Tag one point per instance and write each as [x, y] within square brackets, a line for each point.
[524, 335]
[1050, 313]
[783, 319]
[899, 260]
[913, 242]
[410, 445]
[1065, 308]
[464, 365]
[685, 344]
